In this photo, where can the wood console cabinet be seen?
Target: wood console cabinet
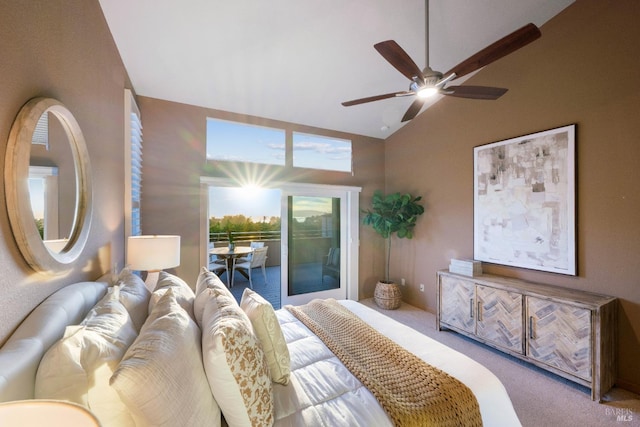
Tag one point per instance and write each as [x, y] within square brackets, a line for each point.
[564, 331]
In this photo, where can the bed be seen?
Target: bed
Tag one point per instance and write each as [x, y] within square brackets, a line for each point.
[179, 357]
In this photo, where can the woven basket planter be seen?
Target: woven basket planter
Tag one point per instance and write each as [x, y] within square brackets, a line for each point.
[387, 296]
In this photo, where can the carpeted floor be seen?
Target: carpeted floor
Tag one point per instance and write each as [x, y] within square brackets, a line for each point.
[540, 399]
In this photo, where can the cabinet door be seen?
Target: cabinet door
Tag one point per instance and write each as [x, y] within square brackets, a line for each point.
[559, 335]
[499, 317]
[457, 299]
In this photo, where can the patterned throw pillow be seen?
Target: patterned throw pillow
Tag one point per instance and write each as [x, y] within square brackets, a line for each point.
[235, 364]
[267, 329]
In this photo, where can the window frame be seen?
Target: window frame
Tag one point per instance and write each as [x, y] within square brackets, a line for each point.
[321, 161]
[247, 126]
[287, 143]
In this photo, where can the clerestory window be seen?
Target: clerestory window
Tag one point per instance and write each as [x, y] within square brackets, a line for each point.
[247, 143]
[240, 142]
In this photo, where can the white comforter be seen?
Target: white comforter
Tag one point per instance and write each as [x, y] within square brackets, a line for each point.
[323, 392]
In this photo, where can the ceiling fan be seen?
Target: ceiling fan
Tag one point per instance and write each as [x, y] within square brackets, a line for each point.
[428, 82]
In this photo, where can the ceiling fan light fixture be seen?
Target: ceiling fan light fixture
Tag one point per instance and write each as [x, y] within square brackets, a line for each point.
[427, 92]
[428, 83]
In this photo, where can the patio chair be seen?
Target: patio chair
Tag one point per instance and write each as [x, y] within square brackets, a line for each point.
[331, 268]
[257, 258]
[252, 245]
[218, 264]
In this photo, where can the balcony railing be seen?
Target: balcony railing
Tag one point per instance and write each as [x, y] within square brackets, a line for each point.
[245, 236]
[311, 245]
[252, 236]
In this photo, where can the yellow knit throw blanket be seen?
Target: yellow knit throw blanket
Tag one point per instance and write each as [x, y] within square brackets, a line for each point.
[412, 392]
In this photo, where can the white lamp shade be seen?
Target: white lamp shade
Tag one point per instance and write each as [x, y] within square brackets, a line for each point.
[153, 253]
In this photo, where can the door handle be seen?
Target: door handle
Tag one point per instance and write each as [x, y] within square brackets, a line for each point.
[531, 335]
[479, 311]
[471, 308]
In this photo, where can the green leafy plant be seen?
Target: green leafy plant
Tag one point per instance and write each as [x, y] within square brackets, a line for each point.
[395, 213]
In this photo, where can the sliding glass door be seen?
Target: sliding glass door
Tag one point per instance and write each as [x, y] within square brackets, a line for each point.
[314, 244]
[312, 237]
[317, 235]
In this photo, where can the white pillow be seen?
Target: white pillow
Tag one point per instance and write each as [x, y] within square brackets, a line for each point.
[183, 293]
[113, 292]
[134, 295]
[78, 367]
[235, 364]
[207, 281]
[267, 329]
[204, 276]
[161, 378]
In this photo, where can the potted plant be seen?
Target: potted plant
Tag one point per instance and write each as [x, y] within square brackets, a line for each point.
[232, 244]
[397, 214]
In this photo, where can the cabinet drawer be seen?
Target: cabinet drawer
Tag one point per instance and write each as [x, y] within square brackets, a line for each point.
[457, 303]
[559, 335]
[499, 317]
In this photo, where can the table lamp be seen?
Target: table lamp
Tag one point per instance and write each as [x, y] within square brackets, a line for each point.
[153, 254]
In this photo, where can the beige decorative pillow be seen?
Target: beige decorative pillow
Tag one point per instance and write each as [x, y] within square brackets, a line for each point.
[134, 295]
[207, 281]
[161, 378]
[78, 367]
[183, 293]
[235, 364]
[267, 329]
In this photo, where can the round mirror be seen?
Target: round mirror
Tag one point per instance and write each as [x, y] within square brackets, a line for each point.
[47, 185]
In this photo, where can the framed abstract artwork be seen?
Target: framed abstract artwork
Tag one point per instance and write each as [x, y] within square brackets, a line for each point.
[524, 201]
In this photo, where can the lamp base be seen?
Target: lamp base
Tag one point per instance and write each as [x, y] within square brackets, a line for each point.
[152, 280]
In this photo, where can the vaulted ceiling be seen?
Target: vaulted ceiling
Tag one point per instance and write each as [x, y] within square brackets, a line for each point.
[296, 61]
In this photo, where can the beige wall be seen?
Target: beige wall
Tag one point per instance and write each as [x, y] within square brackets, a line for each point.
[583, 70]
[174, 161]
[64, 50]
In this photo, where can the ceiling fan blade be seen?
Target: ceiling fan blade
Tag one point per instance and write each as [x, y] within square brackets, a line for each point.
[396, 56]
[414, 109]
[475, 92]
[375, 98]
[497, 50]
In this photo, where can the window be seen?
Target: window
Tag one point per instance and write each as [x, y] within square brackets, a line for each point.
[133, 166]
[41, 132]
[43, 192]
[321, 152]
[240, 142]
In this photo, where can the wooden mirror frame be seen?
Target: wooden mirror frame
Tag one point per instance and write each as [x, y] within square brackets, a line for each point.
[16, 174]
